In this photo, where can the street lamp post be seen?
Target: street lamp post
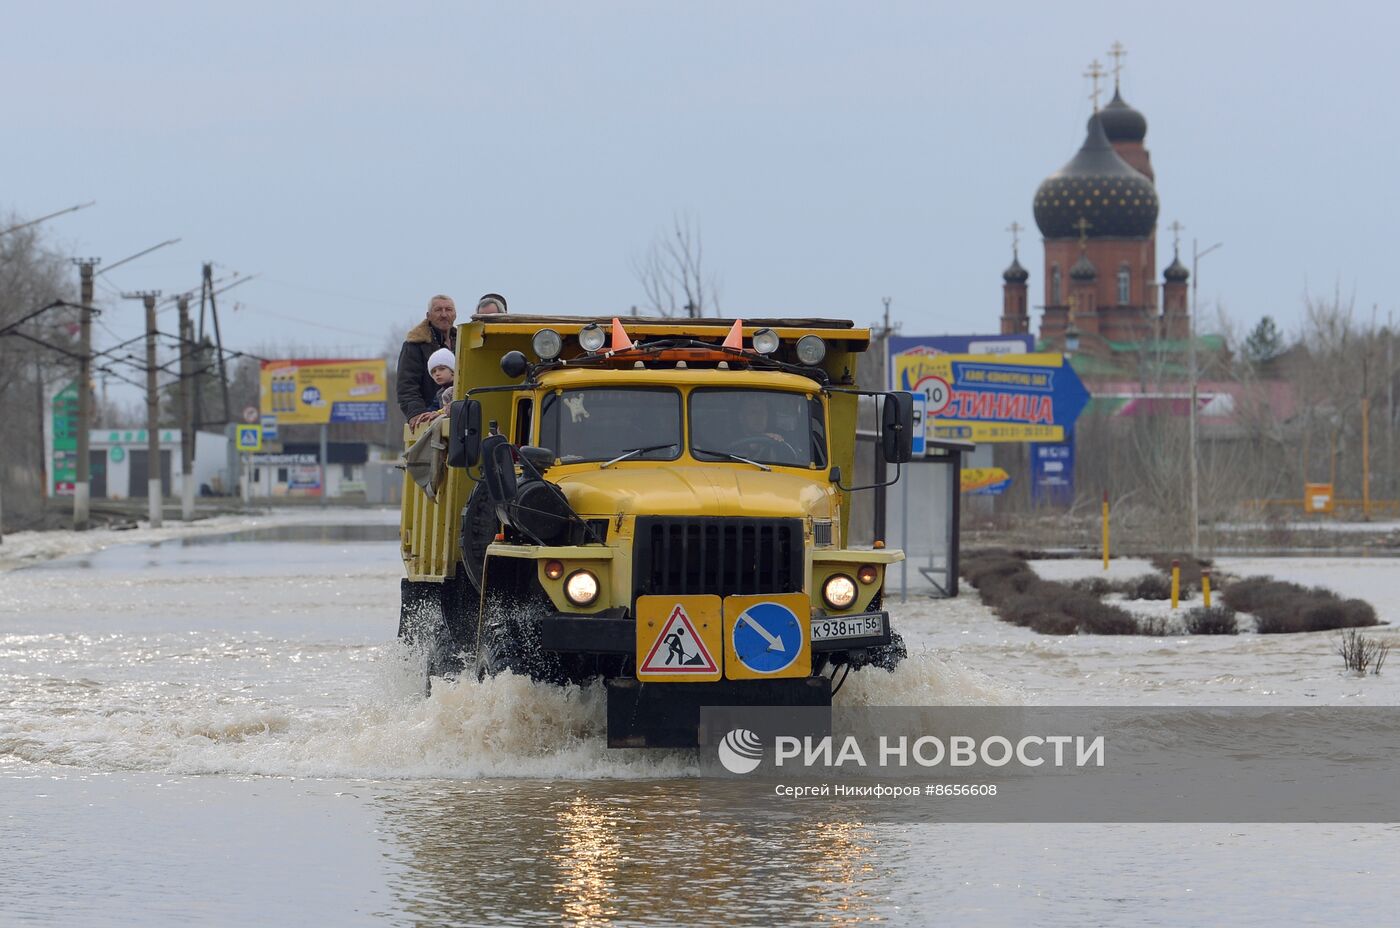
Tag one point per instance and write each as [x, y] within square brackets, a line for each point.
[1196, 256]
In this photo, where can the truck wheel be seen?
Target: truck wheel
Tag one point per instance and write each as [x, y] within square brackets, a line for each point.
[437, 621]
[422, 626]
[479, 527]
[510, 641]
[889, 655]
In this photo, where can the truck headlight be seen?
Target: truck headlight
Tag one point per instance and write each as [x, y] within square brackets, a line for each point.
[811, 350]
[547, 344]
[765, 341]
[582, 588]
[591, 337]
[839, 591]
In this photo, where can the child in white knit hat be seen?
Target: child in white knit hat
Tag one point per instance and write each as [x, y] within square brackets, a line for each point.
[442, 365]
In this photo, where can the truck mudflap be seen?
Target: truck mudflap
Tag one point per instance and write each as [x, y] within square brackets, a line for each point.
[667, 715]
[584, 634]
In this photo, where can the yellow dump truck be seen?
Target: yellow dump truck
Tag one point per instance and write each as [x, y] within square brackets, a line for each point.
[661, 504]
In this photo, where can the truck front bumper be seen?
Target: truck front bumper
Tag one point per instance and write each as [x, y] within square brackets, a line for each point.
[586, 634]
[667, 715]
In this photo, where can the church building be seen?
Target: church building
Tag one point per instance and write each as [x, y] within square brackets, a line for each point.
[1098, 217]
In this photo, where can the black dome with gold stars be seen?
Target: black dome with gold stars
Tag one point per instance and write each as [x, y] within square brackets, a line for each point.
[1100, 188]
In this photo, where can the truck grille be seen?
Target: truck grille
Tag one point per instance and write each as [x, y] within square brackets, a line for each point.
[720, 556]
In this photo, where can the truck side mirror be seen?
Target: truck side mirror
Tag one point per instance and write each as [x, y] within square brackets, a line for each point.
[897, 427]
[464, 435]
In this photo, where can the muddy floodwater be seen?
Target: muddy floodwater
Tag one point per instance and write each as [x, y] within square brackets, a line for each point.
[220, 729]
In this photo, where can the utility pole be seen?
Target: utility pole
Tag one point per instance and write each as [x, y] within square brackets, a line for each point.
[1390, 401]
[187, 433]
[218, 340]
[82, 488]
[1196, 256]
[153, 485]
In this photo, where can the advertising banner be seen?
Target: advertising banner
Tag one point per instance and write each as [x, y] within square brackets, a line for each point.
[1007, 398]
[1052, 472]
[315, 391]
[63, 470]
[985, 481]
[927, 345]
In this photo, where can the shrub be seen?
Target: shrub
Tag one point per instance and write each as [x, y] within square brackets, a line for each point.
[1190, 569]
[1282, 607]
[1094, 586]
[1007, 584]
[1156, 626]
[1148, 586]
[1100, 618]
[1216, 620]
[1359, 652]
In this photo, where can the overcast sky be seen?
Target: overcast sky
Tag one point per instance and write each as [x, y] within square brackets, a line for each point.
[360, 157]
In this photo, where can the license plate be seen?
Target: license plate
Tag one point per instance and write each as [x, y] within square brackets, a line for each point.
[862, 626]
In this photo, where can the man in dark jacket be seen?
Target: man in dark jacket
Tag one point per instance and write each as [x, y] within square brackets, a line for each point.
[416, 388]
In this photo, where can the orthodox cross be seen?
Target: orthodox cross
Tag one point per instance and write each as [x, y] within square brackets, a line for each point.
[1015, 229]
[1117, 52]
[1083, 225]
[1176, 228]
[1095, 72]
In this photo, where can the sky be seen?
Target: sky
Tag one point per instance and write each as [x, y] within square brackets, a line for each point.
[361, 157]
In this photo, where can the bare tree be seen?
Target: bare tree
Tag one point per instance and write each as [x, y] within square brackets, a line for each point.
[37, 353]
[672, 272]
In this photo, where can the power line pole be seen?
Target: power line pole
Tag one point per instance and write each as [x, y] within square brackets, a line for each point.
[1196, 256]
[153, 484]
[199, 340]
[187, 433]
[218, 340]
[83, 485]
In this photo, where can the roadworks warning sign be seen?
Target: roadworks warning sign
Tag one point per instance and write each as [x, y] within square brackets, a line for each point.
[683, 644]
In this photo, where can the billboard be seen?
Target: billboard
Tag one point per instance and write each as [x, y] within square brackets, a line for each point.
[317, 391]
[930, 345]
[1052, 472]
[64, 433]
[985, 481]
[999, 398]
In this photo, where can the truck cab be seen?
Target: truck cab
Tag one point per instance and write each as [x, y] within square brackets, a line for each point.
[659, 504]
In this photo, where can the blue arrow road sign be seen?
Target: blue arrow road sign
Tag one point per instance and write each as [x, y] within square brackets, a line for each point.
[767, 637]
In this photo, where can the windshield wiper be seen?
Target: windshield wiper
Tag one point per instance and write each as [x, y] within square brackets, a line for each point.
[631, 451]
[732, 456]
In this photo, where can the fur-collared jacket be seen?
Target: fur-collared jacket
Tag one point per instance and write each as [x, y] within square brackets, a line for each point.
[417, 390]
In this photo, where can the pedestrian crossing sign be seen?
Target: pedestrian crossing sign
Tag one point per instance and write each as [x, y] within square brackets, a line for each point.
[678, 638]
[248, 437]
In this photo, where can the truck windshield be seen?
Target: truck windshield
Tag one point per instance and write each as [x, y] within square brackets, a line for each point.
[601, 424]
[766, 426]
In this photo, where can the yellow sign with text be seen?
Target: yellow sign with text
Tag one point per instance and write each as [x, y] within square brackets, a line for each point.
[993, 398]
[988, 480]
[307, 391]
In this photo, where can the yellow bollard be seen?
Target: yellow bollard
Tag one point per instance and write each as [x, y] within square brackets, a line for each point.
[1205, 586]
[1176, 583]
[1105, 530]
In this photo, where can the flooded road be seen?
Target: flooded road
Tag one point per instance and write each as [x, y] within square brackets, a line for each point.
[221, 730]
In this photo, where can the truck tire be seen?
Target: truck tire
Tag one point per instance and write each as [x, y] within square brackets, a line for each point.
[437, 621]
[510, 640]
[478, 529]
[889, 655]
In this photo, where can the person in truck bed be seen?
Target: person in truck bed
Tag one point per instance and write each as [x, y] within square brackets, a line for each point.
[417, 390]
